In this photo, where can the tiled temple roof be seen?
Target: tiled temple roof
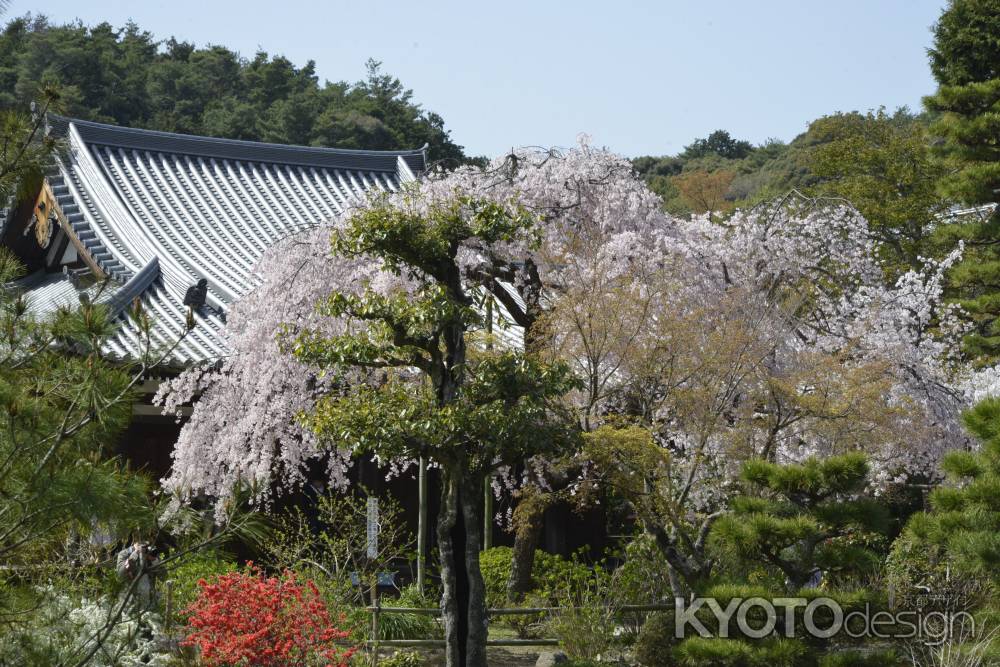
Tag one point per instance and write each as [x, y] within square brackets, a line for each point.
[157, 211]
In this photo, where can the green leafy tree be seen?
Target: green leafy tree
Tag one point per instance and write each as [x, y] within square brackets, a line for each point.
[883, 165]
[805, 519]
[965, 61]
[123, 76]
[438, 394]
[644, 475]
[766, 172]
[952, 550]
[718, 143]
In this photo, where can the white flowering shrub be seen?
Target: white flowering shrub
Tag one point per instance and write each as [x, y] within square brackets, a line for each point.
[63, 629]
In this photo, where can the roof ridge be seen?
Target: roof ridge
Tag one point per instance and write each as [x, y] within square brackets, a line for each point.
[237, 149]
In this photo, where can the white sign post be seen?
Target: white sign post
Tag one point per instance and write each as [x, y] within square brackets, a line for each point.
[372, 526]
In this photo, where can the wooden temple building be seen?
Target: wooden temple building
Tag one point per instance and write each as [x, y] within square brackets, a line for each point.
[128, 214]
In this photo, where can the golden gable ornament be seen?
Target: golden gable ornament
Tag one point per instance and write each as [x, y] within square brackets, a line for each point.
[45, 216]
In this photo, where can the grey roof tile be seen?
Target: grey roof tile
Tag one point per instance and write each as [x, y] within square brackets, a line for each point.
[159, 211]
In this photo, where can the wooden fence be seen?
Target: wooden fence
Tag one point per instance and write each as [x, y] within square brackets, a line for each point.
[376, 611]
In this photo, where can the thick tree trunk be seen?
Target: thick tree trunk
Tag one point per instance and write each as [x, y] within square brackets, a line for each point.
[676, 586]
[530, 511]
[463, 595]
[691, 569]
[528, 522]
[529, 519]
[472, 513]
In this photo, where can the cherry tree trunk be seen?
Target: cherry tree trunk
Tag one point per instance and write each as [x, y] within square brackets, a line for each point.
[463, 594]
[528, 519]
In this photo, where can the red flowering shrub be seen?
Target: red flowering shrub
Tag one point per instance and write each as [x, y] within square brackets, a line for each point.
[249, 619]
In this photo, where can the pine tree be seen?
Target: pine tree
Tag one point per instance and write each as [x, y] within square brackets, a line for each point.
[965, 61]
[799, 520]
[63, 408]
[964, 517]
[63, 404]
[804, 519]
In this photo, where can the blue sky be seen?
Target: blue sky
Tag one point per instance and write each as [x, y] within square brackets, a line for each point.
[639, 77]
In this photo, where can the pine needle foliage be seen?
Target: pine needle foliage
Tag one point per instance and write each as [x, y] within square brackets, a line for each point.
[805, 519]
[964, 516]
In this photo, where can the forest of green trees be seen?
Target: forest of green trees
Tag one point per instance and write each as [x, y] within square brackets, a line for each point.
[128, 77]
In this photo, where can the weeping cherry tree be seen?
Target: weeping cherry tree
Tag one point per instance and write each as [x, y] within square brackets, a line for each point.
[431, 389]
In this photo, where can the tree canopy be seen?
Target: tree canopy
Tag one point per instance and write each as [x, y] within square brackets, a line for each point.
[800, 518]
[882, 164]
[964, 62]
[128, 77]
[770, 333]
[750, 173]
[718, 143]
[895, 160]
